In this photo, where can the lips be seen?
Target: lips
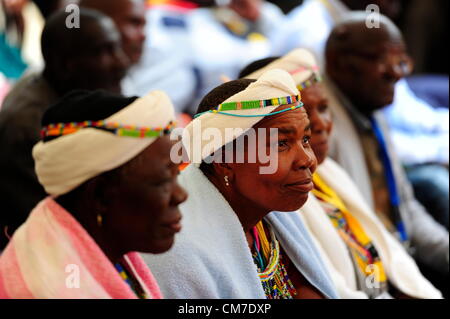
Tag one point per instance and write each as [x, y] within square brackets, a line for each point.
[174, 225]
[303, 186]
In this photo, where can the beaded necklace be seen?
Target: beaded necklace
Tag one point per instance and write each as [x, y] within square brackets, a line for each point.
[271, 270]
[134, 285]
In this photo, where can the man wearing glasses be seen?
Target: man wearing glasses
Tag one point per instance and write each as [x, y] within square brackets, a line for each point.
[363, 66]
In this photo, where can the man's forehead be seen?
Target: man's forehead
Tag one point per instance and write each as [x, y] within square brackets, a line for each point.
[127, 8]
[117, 8]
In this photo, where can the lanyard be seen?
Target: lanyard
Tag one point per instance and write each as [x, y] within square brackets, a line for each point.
[389, 175]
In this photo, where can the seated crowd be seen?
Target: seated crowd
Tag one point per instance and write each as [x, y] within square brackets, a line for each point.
[288, 176]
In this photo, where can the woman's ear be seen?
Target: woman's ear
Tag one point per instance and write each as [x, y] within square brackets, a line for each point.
[99, 192]
[224, 169]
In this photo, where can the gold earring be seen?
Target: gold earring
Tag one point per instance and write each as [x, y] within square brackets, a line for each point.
[227, 183]
[99, 220]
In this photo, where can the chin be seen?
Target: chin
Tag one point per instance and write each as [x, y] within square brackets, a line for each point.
[135, 58]
[293, 205]
[388, 96]
[161, 246]
[388, 101]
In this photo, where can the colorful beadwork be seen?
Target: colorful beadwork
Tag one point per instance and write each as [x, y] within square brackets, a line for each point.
[246, 105]
[316, 78]
[256, 104]
[137, 289]
[273, 275]
[60, 129]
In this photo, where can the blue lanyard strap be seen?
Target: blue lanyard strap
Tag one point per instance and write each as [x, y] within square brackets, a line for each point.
[392, 187]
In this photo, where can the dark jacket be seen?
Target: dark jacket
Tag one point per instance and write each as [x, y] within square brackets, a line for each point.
[20, 124]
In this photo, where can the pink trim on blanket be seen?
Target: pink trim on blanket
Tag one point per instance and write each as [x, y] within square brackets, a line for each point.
[91, 255]
[12, 281]
[105, 272]
[145, 274]
[9, 273]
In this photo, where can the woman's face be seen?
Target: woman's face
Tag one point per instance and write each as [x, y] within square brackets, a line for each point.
[142, 211]
[287, 188]
[316, 104]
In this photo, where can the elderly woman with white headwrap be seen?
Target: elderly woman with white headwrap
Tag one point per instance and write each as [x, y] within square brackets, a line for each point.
[363, 258]
[231, 245]
[105, 162]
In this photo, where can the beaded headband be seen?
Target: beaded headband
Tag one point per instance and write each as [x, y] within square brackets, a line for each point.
[60, 129]
[315, 78]
[256, 104]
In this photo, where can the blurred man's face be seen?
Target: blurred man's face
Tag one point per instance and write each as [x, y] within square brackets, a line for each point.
[130, 20]
[367, 73]
[378, 68]
[100, 63]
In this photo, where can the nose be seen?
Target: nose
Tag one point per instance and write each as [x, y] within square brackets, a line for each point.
[305, 159]
[179, 195]
[141, 35]
[319, 124]
[396, 67]
[395, 71]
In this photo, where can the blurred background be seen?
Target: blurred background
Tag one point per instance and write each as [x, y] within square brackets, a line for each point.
[423, 23]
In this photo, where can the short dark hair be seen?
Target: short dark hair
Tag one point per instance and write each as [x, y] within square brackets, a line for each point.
[221, 93]
[59, 41]
[216, 97]
[256, 65]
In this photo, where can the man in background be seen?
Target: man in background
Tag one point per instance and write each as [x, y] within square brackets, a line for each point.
[89, 57]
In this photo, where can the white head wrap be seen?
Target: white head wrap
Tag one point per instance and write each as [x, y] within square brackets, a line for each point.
[68, 161]
[300, 63]
[272, 84]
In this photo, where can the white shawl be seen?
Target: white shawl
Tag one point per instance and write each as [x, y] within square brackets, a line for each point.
[400, 268]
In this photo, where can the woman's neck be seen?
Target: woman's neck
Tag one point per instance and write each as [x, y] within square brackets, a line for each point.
[88, 220]
[248, 212]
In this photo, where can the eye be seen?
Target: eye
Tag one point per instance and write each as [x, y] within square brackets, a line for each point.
[323, 108]
[162, 182]
[283, 144]
[306, 139]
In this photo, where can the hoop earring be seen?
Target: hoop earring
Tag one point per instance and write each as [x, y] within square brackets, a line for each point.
[227, 183]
